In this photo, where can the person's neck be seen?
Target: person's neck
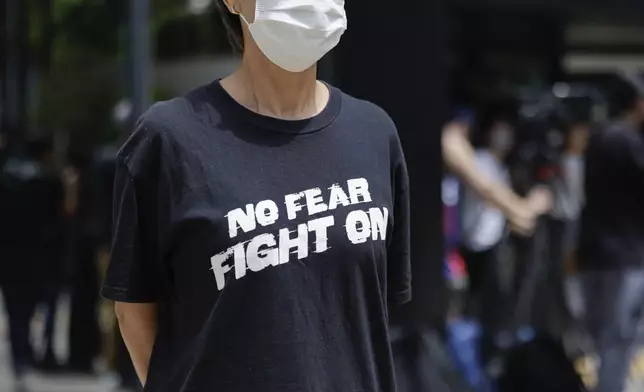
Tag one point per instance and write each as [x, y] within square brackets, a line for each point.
[267, 89]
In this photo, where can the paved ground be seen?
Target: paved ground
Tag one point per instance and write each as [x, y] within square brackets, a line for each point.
[38, 383]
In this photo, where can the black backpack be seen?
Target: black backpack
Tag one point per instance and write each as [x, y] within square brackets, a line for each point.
[540, 365]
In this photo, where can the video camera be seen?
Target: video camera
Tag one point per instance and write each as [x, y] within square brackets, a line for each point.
[543, 118]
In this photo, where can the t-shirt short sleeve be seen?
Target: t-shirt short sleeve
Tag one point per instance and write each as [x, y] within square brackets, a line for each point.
[398, 253]
[135, 273]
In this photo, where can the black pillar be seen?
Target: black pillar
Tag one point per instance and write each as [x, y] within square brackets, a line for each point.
[3, 63]
[45, 51]
[140, 56]
[15, 66]
[395, 55]
[556, 50]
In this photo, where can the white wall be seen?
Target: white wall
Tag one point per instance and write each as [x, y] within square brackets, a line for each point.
[588, 63]
[604, 35]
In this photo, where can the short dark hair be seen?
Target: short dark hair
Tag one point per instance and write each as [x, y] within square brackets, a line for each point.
[232, 24]
[497, 110]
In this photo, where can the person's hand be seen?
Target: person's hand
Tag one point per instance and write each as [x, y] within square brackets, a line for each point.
[522, 218]
[70, 176]
[539, 200]
[524, 214]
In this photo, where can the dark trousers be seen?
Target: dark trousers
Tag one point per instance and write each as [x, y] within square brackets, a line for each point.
[484, 299]
[20, 303]
[22, 274]
[551, 313]
[50, 302]
[614, 313]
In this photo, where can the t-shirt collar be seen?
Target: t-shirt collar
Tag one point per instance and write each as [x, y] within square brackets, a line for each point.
[309, 125]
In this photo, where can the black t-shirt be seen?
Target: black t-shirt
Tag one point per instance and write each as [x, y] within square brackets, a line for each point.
[612, 232]
[273, 247]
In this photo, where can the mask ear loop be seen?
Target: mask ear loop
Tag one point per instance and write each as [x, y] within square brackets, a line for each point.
[242, 17]
[231, 9]
[237, 13]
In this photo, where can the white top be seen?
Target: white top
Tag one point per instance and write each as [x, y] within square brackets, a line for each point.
[483, 226]
[569, 195]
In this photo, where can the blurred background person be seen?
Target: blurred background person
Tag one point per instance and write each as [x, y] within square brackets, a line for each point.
[56, 277]
[563, 225]
[83, 286]
[31, 244]
[569, 191]
[460, 157]
[488, 202]
[483, 225]
[612, 242]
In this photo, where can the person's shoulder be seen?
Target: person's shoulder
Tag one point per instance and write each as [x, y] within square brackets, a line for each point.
[154, 129]
[173, 114]
[364, 110]
[164, 122]
[617, 135]
[483, 154]
[617, 130]
[167, 116]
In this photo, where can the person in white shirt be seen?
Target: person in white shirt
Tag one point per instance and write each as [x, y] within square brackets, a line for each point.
[460, 157]
[492, 191]
[483, 225]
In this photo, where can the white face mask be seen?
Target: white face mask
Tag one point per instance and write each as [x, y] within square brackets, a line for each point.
[295, 34]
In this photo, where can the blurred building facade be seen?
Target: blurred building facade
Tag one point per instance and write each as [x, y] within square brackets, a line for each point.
[497, 44]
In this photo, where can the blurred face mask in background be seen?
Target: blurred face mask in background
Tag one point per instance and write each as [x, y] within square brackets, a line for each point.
[296, 34]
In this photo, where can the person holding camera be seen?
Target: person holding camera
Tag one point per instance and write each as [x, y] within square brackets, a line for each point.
[460, 156]
[488, 207]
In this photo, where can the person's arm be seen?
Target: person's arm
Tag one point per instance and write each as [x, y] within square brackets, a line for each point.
[461, 159]
[70, 181]
[136, 279]
[138, 325]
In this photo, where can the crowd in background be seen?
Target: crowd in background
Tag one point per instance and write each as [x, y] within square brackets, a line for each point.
[591, 227]
[54, 242]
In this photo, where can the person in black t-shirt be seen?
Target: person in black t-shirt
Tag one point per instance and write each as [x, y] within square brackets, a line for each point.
[261, 222]
[611, 253]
